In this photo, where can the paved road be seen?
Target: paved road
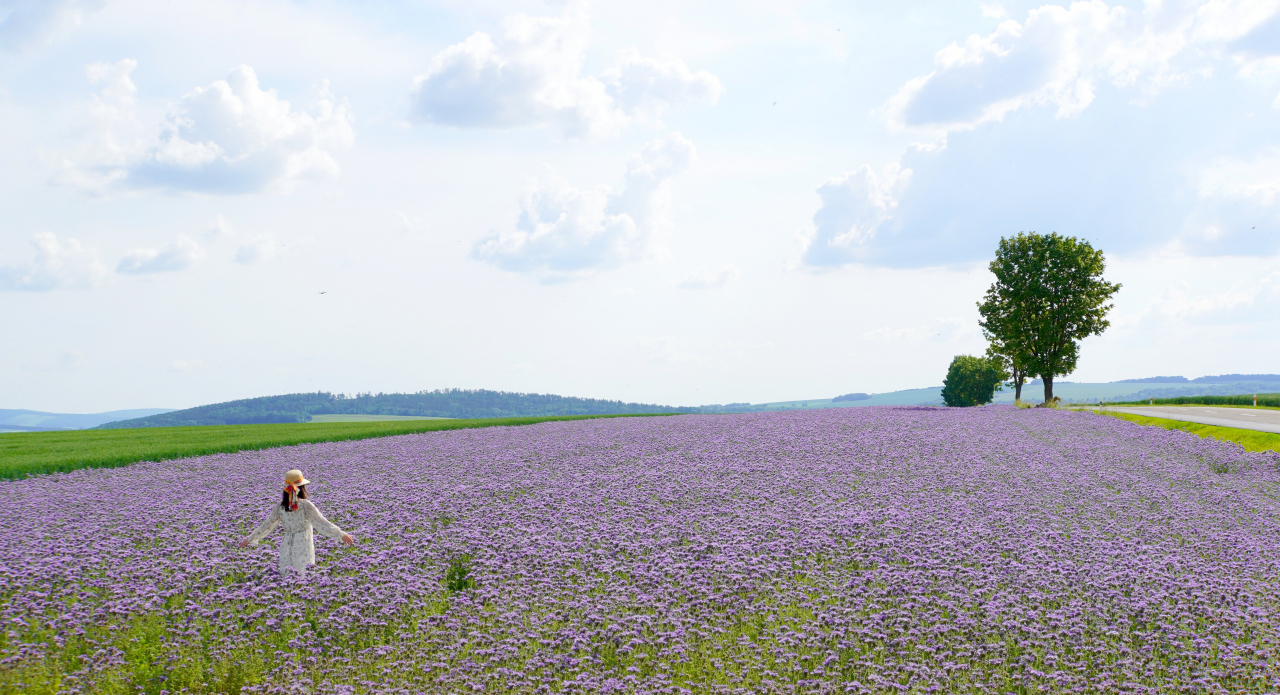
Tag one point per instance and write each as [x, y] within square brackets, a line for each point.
[1261, 419]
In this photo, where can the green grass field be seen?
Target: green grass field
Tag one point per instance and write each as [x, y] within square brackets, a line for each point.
[372, 418]
[1251, 440]
[32, 453]
[1245, 400]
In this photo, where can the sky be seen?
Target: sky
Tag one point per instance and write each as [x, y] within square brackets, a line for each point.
[668, 202]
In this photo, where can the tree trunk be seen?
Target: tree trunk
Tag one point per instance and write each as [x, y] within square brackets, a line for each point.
[1017, 386]
[1048, 388]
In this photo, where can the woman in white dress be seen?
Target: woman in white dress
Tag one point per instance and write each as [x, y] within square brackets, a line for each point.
[299, 516]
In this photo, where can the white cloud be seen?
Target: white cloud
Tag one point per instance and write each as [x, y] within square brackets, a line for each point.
[1059, 55]
[993, 11]
[250, 249]
[1248, 300]
[855, 205]
[1237, 207]
[1051, 59]
[112, 134]
[232, 136]
[178, 255]
[219, 229]
[532, 76]
[57, 264]
[25, 23]
[1256, 179]
[565, 232]
[707, 277]
[1051, 170]
[648, 86]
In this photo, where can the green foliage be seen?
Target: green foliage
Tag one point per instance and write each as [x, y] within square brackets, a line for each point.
[1265, 400]
[972, 381]
[1049, 295]
[447, 403]
[1251, 440]
[1011, 363]
[30, 453]
[457, 577]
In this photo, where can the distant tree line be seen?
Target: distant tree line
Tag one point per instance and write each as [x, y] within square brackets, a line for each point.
[451, 403]
[851, 397]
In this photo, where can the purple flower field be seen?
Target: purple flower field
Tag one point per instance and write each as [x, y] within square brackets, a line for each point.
[864, 550]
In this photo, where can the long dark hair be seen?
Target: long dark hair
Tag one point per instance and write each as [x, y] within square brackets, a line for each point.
[284, 496]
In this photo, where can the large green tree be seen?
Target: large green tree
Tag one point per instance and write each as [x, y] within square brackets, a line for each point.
[972, 381]
[1049, 295]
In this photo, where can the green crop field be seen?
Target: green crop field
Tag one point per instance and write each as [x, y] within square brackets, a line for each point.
[1251, 440]
[31, 453]
[372, 418]
[1263, 400]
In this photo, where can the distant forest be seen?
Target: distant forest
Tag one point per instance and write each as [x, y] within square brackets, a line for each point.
[454, 403]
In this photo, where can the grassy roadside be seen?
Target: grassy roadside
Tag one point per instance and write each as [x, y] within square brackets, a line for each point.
[31, 453]
[1145, 404]
[1251, 440]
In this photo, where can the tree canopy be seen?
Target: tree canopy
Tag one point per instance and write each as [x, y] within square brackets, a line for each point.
[1011, 363]
[1049, 295]
[972, 381]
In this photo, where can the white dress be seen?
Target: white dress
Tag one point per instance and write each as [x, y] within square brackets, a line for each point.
[297, 548]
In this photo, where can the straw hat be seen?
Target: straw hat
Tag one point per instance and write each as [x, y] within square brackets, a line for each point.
[294, 477]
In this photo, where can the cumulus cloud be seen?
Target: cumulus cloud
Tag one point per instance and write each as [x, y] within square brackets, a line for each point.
[1059, 55]
[565, 232]
[1060, 123]
[1051, 59]
[250, 248]
[1252, 298]
[708, 277]
[178, 255]
[1255, 179]
[231, 136]
[855, 205]
[26, 23]
[533, 76]
[57, 264]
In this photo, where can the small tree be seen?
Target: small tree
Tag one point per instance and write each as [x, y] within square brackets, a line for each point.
[1010, 363]
[1049, 295]
[972, 381]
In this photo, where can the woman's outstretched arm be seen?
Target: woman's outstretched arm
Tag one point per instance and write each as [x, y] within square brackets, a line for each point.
[324, 526]
[273, 520]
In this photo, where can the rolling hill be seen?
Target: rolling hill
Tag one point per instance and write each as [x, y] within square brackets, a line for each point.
[481, 403]
[447, 403]
[39, 421]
